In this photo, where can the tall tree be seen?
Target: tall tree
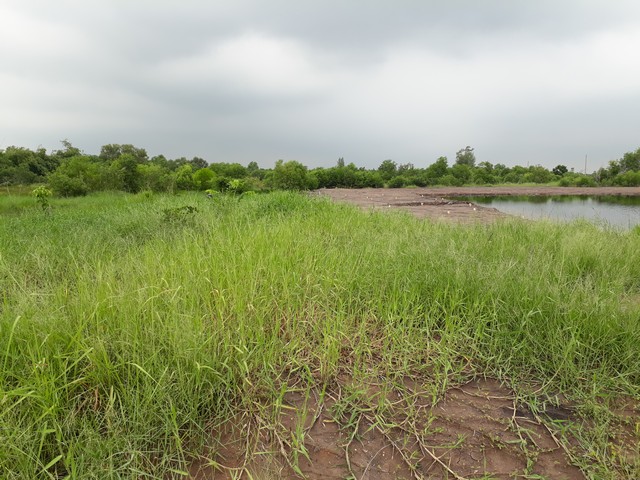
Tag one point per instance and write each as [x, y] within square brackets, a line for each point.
[112, 151]
[560, 170]
[388, 169]
[630, 161]
[466, 157]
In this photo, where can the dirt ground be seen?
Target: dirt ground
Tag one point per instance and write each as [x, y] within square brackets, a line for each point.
[476, 431]
[441, 203]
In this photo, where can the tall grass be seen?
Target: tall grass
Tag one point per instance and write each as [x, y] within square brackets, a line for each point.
[129, 325]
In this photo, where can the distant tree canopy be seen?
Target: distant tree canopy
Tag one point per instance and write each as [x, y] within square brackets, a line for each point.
[125, 167]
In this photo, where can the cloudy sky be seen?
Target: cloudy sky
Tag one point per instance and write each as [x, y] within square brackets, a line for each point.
[521, 81]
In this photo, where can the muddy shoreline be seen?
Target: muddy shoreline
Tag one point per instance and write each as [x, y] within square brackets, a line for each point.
[440, 202]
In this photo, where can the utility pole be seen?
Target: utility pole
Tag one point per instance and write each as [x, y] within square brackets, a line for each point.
[585, 164]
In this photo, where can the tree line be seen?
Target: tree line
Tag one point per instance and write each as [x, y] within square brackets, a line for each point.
[70, 172]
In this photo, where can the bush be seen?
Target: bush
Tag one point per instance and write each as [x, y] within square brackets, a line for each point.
[179, 215]
[585, 181]
[42, 195]
[450, 180]
[66, 186]
[627, 179]
[397, 182]
[203, 179]
[291, 175]
[564, 182]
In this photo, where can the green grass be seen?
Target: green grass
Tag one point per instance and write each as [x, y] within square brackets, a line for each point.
[128, 327]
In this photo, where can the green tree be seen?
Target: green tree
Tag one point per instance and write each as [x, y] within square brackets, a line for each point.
[154, 177]
[388, 169]
[253, 169]
[630, 162]
[184, 178]
[80, 174]
[20, 165]
[161, 161]
[197, 163]
[66, 186]
[113, 151]
[125, 167]
[68, 151]
[461, 172]
[466, 157]
[438, 169]
[537, 174]
[559, 170]
[229, 170]
[500, 170]
[203, 179]
[483, 174]
[291, 175]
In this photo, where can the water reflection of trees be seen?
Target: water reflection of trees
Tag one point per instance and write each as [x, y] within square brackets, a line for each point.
[618, 199]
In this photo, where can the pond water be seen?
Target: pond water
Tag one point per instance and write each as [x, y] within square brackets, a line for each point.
[615, 211]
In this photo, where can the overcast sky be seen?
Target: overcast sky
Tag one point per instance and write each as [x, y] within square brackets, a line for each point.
[521, 81]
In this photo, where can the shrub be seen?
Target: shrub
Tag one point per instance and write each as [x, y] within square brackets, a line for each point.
[397, 182]
[585, 181]
[179, 215]
[66, 186]
[628, 179]
[203, 179]
[42, 195]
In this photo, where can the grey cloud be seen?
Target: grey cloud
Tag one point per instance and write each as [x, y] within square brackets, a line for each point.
[367, 80]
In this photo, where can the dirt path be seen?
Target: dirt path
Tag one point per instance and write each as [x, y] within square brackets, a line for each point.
[440, 202]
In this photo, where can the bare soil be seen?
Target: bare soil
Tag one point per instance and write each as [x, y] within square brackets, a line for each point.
[476, 431]
[441, 203]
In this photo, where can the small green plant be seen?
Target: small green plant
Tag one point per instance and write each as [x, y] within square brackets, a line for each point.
[179, 215]
[42, 195]
[235, 185]
[250, 193]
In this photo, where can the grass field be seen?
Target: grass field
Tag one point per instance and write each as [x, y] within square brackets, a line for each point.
[132, 325]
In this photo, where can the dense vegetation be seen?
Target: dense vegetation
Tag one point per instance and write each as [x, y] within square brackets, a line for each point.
[70, 172]
[131, 325]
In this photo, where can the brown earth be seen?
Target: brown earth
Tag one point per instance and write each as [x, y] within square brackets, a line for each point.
[441, 203]
[477, 430]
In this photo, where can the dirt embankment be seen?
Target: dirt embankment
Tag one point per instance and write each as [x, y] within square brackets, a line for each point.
[441, 203]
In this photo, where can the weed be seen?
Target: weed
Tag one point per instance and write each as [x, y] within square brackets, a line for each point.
[42, 195]
[179, 215]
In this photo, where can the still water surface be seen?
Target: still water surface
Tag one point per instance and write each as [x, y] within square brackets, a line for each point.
[615, 211]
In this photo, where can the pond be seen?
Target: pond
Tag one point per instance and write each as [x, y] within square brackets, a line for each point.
[615, 211]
